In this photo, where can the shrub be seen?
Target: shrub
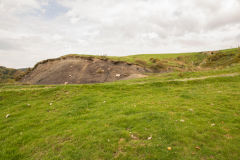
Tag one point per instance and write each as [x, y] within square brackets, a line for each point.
[180, 58]
[158, 66]
[99, 70]
[141, 62]
[154, 60]
[180, 74]
[20, 75]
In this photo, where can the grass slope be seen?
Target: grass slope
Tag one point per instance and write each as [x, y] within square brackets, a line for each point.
[136, 119]
[178, 62]
[9, 74]
[162, 63]
[133, 119]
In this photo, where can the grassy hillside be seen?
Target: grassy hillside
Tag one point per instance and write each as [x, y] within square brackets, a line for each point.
[189, 61]
[159, 63]
[9, 75]
[191, 112]
[179, 62]
[135, 119]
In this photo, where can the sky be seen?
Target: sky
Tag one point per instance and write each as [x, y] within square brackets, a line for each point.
[34, 30]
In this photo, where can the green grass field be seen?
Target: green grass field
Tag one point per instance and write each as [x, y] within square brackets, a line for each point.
[133, 119]
[177, 61]
[198, 119]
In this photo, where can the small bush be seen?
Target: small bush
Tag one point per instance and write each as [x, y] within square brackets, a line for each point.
[99, 70]
[89, 58]
[238, 56]
[20, 75]
[154, 60]
[103, 57]
[180, 58]
[141, 62]
[215, 57]
[180, 74]
[158, 66]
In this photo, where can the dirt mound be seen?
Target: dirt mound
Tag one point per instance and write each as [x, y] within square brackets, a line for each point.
[76, 70]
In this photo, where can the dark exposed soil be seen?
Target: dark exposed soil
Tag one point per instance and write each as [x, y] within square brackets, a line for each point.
[72, 70]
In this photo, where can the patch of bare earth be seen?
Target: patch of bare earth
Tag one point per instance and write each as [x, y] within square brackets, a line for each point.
[82, 70]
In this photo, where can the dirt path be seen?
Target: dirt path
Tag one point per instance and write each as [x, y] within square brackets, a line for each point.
[206, 77]
[23, 89]
[192, 79]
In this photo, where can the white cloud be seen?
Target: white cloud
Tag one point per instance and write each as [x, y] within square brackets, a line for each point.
[32, 30]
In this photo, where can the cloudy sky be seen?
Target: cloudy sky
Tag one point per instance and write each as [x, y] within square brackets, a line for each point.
[33, 30]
